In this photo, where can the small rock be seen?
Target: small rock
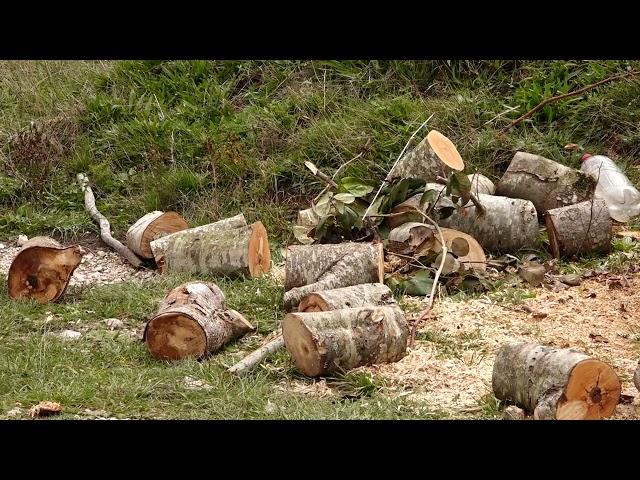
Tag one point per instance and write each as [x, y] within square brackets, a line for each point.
[2, 245]
[571, 279]
[22, 239]
[14, 412]
[598, 338]
[44, 409]
[513, 413]
[114, 323]
[532, 274]
[101, 253]
[70, 334]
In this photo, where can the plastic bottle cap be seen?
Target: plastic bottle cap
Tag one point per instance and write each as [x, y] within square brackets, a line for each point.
[585, 156]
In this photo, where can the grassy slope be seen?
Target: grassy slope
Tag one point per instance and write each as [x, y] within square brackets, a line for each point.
[212, 138]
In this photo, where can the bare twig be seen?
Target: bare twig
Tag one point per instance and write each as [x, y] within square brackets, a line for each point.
[255, 357]
[542, 104]
[321, 175]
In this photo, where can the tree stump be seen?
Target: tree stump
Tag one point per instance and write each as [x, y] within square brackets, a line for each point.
[508, 225]
[578, 229]
[339, 340]
[151, 227]
[193, 322]
[555, 383]
[547, 184]
[366, 294]
[42, 269]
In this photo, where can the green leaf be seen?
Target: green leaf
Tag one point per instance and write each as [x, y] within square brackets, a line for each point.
[349, 219]
[460, 183]
[346, 198]
[356, 187]
[400, 191]
[428, 197]
[339, 207]
[323, 207]
[302, 234]
[419, 284]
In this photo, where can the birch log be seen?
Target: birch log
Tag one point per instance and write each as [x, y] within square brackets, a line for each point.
[555, 383]
[42, 269]
[481, 184]
[192, 321]
[547, 184]
[339, 340]
[366, 294]
[150, 227]
[579, 229]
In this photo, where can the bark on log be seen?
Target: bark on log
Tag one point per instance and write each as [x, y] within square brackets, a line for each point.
[508, 225]
[474, 259]
[547, 184]
[192, 322]
[435, 156]
[255, 357]
[636, 378]
[481, 184]
[105, 227]
[366, 294]
[555, 383]
[150, 227]
[410, 237]
[361, 266]
[305, 264]
[579, 229]
[42, 269]
[339, 340]
[232, 252]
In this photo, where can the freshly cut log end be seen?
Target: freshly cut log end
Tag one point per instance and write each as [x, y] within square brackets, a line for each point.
[339, 340]
[555, 383]
[445, 150]
[150, 227]
[259, 252]
[579, 229]
[459, 247]
[42, 269]
[175, 336]
[366, 294]
[474, 259]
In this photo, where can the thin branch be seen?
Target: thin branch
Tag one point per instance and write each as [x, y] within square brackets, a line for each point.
[335, 174]
[255, 357]
[321, 175]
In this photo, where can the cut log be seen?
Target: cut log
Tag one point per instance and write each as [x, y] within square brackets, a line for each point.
[481, 184]
[339, 340]
[42, 269]
[192, 322]
[435, 156]
[305, 264]
[579, 229]
[474, 259]
[508, 225]
[366, 294]
[555, 383]
[361, 266]
[150, 227]
[232, 252]
[547, 184]
[411, 237]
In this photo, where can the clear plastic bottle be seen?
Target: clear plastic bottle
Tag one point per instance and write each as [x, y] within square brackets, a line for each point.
[621, 197]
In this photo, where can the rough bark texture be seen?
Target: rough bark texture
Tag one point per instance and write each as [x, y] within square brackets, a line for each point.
[255, 357]
[352, 269]
[579, 229]
[636, 378]
[42, 269]
[339, 340]
[305, 264]
[508, 225]
[151, 227]
[547, 184]
[481, 184]
[434, 156]
[366, 294]
[555, 383]
[105, 226]
[411, 236]
[192, 322]
[232, 252]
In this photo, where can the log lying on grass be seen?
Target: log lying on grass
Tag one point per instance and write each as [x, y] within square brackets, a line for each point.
[435, 156]
[339, 340]
[555, 383]
[151, 227]
[192, 322]
[579, 229]
[547, 184]
[366, 294]
[508, 225]
[42, 269]
[355, 264]
[222, 250]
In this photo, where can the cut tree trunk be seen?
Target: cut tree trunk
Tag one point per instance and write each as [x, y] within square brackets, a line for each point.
[435, 156]
[547, 184]
[42, 269]
[555, 383]
[579, 229]
[305, 264]
[410, 237]
[232, 252]
[508, 225]
[152, 226]
[366, 294]
[481, 184]
[360, 266]
[474, 259]
[339, 340]
[192, 322]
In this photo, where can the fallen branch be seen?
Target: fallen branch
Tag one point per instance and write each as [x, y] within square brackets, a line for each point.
[321, 175]
[105, 227]
[544, 103]
[255, 357]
